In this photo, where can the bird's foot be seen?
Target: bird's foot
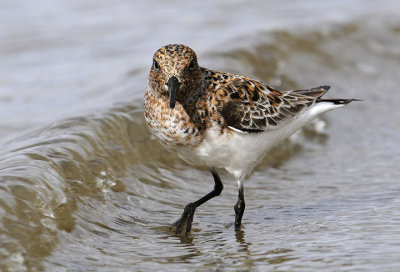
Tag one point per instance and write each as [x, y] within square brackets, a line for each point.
[239, 210]
[185, 222]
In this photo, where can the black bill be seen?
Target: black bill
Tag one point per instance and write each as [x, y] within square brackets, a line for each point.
[173, 86]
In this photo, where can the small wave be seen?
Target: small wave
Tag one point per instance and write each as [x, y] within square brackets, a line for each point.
[45, 173]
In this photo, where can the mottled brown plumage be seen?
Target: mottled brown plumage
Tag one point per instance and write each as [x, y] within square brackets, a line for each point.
[208, 97]
[221, 120]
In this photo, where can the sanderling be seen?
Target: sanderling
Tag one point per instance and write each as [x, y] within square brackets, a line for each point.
[221, 120]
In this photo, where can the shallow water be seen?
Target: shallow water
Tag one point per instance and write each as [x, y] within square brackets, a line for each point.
[84, 186]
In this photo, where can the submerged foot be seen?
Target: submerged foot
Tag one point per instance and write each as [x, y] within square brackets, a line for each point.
[185, 222]
[239, 210]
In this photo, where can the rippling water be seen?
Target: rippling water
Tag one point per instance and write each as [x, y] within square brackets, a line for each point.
[84, 186]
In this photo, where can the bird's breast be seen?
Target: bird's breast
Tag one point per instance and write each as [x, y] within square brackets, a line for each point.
[172, 127]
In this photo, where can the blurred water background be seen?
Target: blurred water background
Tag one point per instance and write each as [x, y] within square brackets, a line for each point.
[84, 187]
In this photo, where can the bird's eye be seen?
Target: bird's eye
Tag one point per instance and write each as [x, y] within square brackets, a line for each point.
[156, 65]
[191, 65]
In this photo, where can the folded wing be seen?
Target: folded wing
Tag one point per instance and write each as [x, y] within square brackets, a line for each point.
[254, 107]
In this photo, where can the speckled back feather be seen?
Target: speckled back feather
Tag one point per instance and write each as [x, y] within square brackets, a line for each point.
[251, 106]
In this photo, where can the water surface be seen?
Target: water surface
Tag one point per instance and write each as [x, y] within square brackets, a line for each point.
[85, 187]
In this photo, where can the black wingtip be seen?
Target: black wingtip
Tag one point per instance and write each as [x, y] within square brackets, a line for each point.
[325, 87]
[339, 101]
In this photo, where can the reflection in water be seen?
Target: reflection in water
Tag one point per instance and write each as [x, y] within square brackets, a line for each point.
[244, 249]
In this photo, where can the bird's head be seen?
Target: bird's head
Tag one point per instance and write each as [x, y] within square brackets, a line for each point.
[175, 73]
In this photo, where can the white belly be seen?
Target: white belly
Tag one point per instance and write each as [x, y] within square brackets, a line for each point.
[239, 152]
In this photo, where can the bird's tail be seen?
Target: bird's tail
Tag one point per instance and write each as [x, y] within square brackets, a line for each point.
[338, 101]
[320, 91]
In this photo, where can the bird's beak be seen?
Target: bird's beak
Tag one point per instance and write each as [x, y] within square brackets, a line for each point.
[173, 86]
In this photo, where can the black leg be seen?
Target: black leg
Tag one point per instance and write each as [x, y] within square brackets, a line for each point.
[188, 212]
[240, 206]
